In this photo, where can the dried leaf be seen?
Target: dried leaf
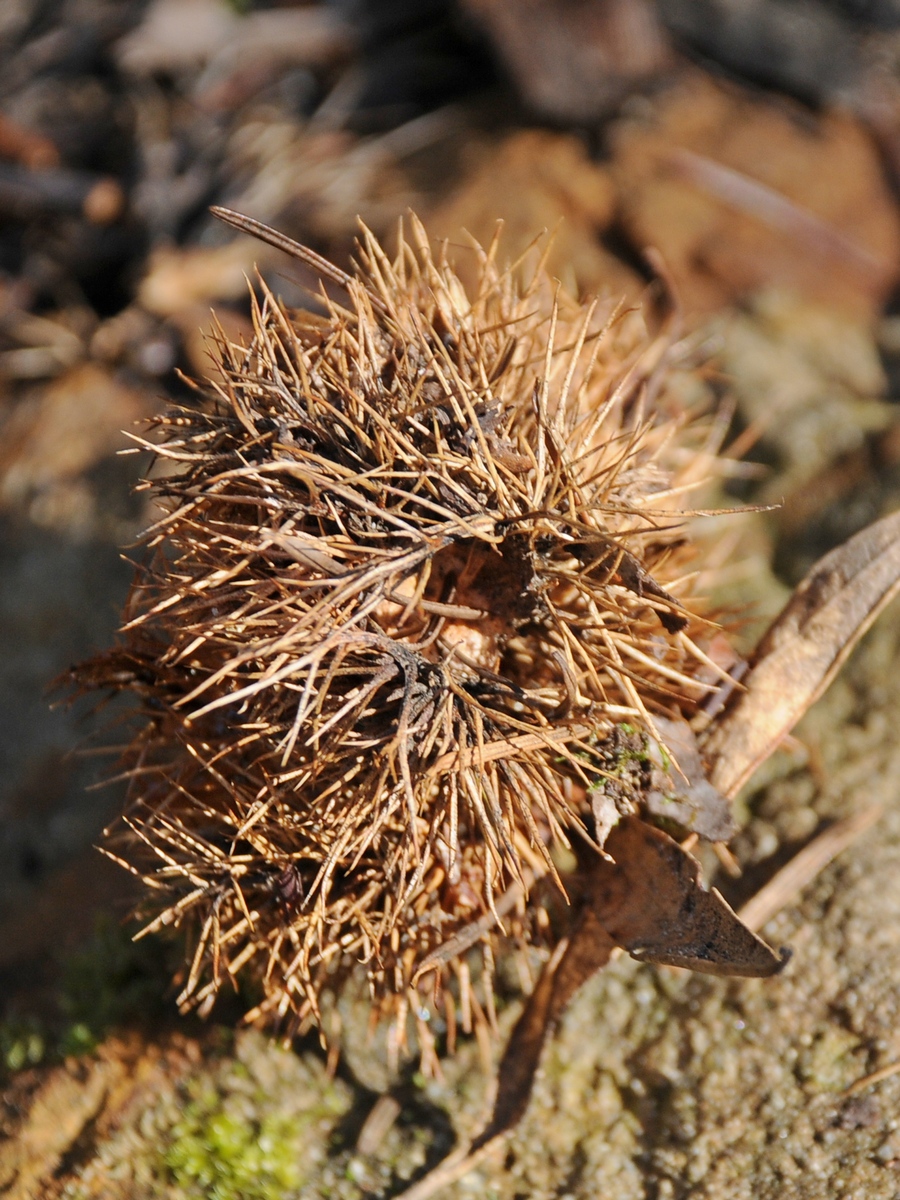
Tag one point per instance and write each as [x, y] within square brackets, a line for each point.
[721, 184]
[573, 62]
[803, 650]
[650, 901]
[680, 790]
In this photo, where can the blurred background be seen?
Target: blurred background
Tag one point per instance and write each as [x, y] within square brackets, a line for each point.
[754, 144]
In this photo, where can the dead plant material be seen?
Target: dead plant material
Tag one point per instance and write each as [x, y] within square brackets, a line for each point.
[804, 649]
[575, 62]
[26, 193]
[645, 896]
[786, 885]
[413, 625]
[26, 146]
[419, 569]
[868, 1081]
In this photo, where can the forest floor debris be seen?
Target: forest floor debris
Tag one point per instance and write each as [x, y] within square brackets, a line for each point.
[778, 222]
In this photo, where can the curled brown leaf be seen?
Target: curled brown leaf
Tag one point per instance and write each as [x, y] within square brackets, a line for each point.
[650, 902]
[803, 650]
[647, 898]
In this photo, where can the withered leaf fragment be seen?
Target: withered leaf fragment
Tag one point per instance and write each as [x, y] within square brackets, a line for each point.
[650, 901]
[647, 898]
[804, 649]
[680, 790]
[573, 962]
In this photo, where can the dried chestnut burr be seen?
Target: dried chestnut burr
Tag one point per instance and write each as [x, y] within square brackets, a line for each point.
[410, 629]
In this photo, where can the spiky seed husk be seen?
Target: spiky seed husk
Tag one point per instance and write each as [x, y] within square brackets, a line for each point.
[418, 558]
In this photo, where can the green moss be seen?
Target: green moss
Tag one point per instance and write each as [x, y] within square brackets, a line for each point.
[22, 1044]
[249, 1127]
[30, 1043]
[217, 1152]
[110, 981]
[828, 1064]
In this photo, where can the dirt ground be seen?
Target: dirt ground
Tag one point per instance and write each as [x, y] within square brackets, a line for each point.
[772, 196]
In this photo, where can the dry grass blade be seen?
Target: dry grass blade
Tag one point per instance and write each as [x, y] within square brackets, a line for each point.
[785, 886]
[868, 1081]
[804, 649]
[265, 233]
